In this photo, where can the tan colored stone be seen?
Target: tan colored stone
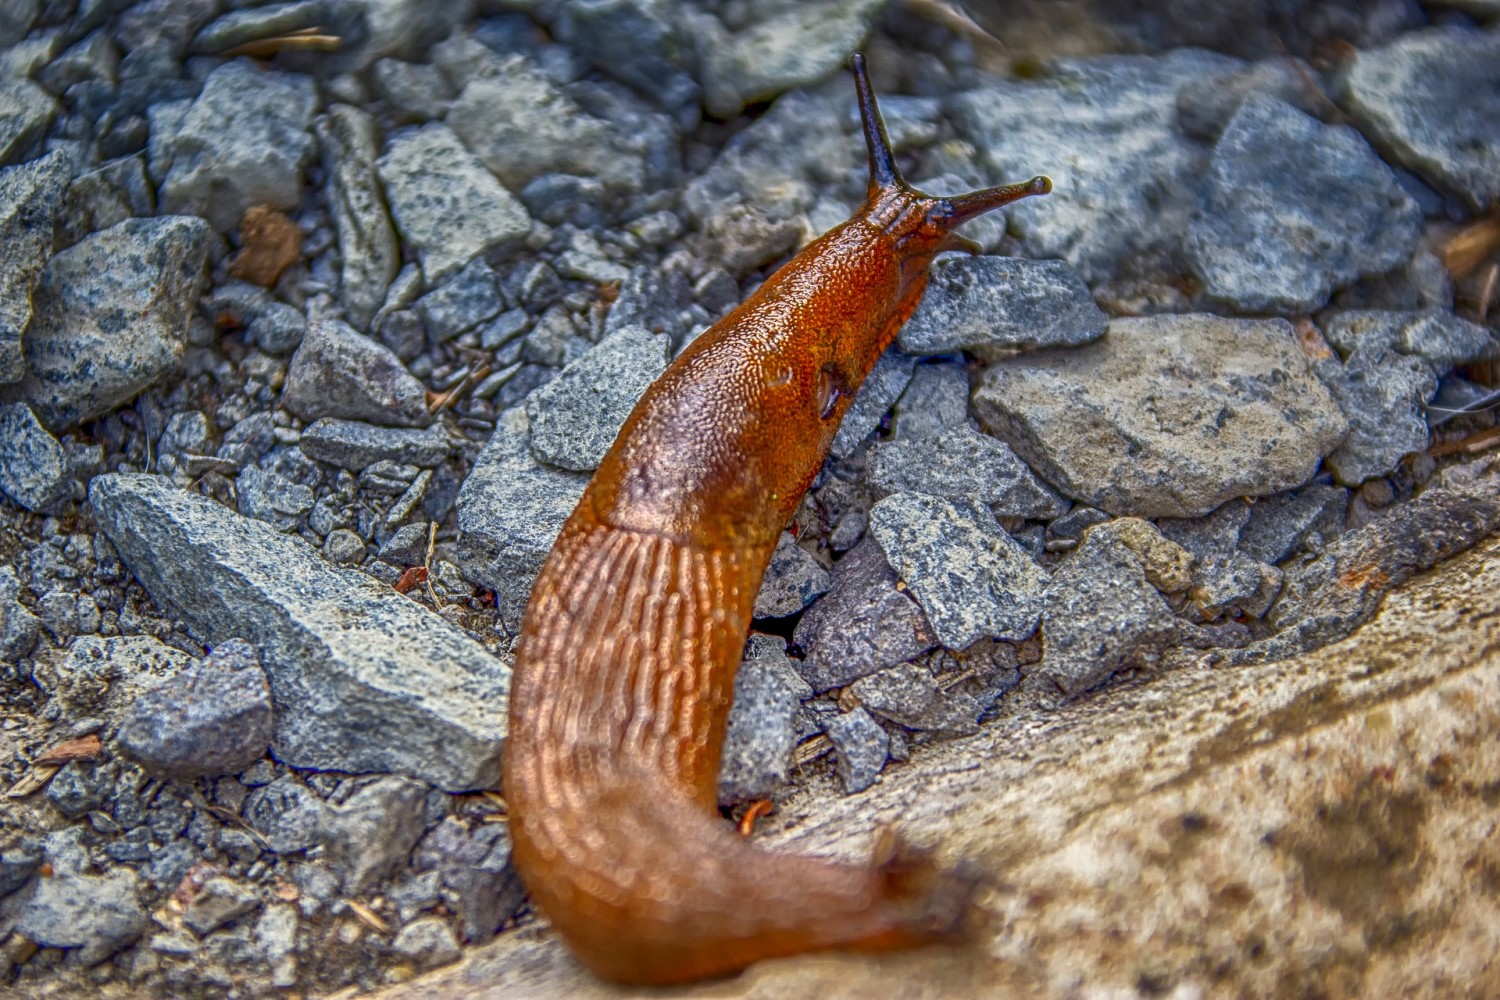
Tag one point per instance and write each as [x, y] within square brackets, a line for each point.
[1168, 565]
[1322, 826]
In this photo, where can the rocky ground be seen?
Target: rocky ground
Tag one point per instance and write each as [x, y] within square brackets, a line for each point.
[315, 317]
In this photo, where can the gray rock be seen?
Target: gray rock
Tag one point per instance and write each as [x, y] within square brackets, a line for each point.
[1280, 525]
[463, 302]
[1237, 412]
[1429, 100]
[1224, 578]
[367, 243]
[287, 814]
[102, 677]
[371, 835]
[219, 901]
[185, 435]
[276, 934]
[244, 142]
[476, 866]
[427, 942]
[1293, 209]
[790, 45]
[18, 627]
[1101, 615]
[1383, 394]
[98, 199]
[910, 696]
[970, 577]
[992, 306]
[18, 863]
[503, 329]
[110, 317]
[576, 417]
[446, 204]
[362, 678]
[416, 92]
[30, 196]
[863, 624]
[1205, 107]
[406, 546]
[344, 547]
[642, 43]
[214, 718]
[862, 748]
[793, 579]
[404, 28]
[353, 444]
[510, 509]
[1109, 211]
[566, 199]
[98, 915]
[73, 790]
[522, 125]
[652, 297]
[935, 400]
[34, 470]
[881, 388]
[273, 499]
[1438, 337]
[337, 372]
[26, 112]
[757, 756]
[963, 463]
[16, 20]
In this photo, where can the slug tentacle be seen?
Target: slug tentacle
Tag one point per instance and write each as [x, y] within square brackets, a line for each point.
[626, 661]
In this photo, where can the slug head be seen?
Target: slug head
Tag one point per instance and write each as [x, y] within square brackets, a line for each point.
[921, 225]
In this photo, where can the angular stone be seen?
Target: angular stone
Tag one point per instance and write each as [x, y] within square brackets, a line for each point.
[337, 372]
[862, 748]
[1309, 518]
[476, 866]
[792, 581]
[881, 388]
[963, 463]
[427, 943]
[1383, 394]
[757, 756]
[468, 299]
[34, 470]
[30, 196]
[102, 677]
[1293, 209]
[576, 417]
[935, 400]
[970, 577]
[1430, 100]
[340, 650]
[367, 243]
[219, 901]
[510, 509]
[369, 836]
[1237, 412]
[354, 445]
[910, 696]
[644, 43]
[446, 204]
[1205, 108]
[1167, 564]
[287, 814]
[26, 111]
[18, 627]
[1438, 337]
[244, 142]
[98, 915]
[992, 306]
[110, 317]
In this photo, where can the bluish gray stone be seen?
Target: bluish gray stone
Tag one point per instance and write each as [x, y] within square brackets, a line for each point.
[244, 142]
[98, 915]
[1383, 394]
[416, 92]
[935, 400]
[214, 718]
[1224, 578]
[963, 463]
[476, 866]
[30, 196]
[463, 302]
[26, 112]
[910, 696]
[110, 317]
[219, 901]
[1438, 337]
[337, 372]
[992, 306]
[643, 43]
[253, 24]
[882, 387]
[1206, 106]
[967, 573]
[18, 627]
[793, 579]
[445, 203]
[427, 943]
[757, 756]
[368, 252]
[510, 509]
[371, 834]
[1430, 99]
[1237, 412]
[34, 470]
[861, 747]
[576, 417]
[652, 297]
[287, 814]
[98, 199]
[271, 498]
[354, 444]
[277, 329]
[1310, 518]
[1293, 209]
[363, 679]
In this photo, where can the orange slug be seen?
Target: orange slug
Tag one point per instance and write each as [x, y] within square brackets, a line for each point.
[637, 621]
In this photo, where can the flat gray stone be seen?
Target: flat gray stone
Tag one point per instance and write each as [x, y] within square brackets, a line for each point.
[970, 577]
[643, 43]
[219, 901]
[1224, 577]
[475, 865]
[445, 203]
[30, 196]
[354, 444]
[510, 509]
[287, 814]
[793, 580]
[363, 679]
[427, 943]
[34, 469]
[1438, 337]
[19, 628]
[98, 915]
[337, 372]
[1383, 394]
[101, 678]
[370, 835]
[244, 142]
[757, 757]
[110, 317]
[935, 400]
[577, 416]
[963, 463]
[1206, 107]
[469, 298]
[862, 748]
[1293, 209]
[1310, 518]
[1105, 130]
[26, 111]
[910, 696]
[368, 252]
[881, 388]
[1166, 416]
[993, 306]
[1430, 99]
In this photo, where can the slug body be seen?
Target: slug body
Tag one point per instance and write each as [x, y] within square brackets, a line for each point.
[637, 622]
